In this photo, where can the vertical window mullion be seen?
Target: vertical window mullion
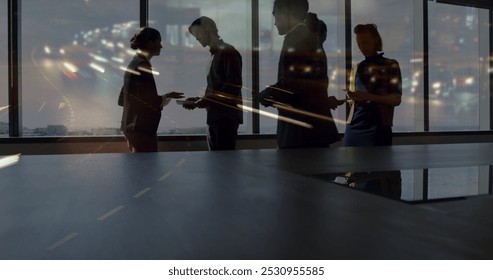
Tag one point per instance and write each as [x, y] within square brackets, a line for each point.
[144, 13]
[426, 68]
[255, 65]
[15, 121]
[490, 173]
[349, 45]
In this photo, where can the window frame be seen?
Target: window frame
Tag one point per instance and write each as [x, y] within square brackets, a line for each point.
[14, 57]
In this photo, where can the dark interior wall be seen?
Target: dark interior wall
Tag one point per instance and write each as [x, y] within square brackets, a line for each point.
[117, 144]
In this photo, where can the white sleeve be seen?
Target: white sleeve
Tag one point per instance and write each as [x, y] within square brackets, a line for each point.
[165, 101]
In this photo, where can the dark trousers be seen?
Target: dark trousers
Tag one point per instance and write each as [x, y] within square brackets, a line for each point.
[384, 136]
[372, 135]
[221, 134]
[141, 142]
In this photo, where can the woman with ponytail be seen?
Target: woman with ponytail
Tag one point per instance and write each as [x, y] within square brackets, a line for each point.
[140, 100]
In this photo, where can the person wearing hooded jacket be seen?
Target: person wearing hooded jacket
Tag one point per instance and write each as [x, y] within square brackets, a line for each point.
[300, 94]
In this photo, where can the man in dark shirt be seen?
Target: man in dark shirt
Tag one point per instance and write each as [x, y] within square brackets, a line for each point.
[300, 94]
[224, 82]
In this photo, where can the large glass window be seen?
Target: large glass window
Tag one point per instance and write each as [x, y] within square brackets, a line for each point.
[73, 53]
[271, 44]
[4, 70]
[183, 64]
[72, 58]
[459, 77]
[397, 29]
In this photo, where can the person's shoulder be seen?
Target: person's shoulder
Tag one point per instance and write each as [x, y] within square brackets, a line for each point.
[143, 63]
[300, 37]
[298, 32]
[138, 58]
[137, 61]
[391, 62]
[226, 47]
[301, 28]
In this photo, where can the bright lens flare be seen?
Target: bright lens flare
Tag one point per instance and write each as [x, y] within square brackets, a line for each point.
[9, 160]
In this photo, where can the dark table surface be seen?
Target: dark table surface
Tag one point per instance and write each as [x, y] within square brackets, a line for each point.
[247, 204]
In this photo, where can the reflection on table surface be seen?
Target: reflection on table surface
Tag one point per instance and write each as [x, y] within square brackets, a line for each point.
[417, 185]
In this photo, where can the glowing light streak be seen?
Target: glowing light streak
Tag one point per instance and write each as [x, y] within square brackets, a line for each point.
[275, 116]
[96, 67]
[129, 70]
[280, 89]
[9, 160]
[436, 103]
[117, 59]
[416, 60]
[309, 114]
[152, 71]
[98, 57]
[42, 106]
[71, 67]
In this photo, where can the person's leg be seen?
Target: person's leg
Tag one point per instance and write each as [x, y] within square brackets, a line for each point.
[222, 134]
[129, 136]
[141, 143]
[211, 136]
[384, 136]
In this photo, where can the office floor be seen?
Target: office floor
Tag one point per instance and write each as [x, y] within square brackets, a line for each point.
[249, 204]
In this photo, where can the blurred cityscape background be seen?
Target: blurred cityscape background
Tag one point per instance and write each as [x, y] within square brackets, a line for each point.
[74, 53]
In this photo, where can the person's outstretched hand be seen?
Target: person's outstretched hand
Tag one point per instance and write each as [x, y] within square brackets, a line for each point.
[190, 103]
[174, 95]
[334, 102]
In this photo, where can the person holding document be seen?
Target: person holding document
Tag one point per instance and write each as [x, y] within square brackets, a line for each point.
[222, 98]
[300, 93]
[376, 88]
[139, 97]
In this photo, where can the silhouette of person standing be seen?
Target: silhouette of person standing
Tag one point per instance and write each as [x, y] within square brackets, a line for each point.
[300, 94]
[141, 103]
[376, 89]
[224, 84]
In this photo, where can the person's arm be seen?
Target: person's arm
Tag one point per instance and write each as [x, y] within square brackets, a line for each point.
[298, 68]
[286, 91]
[229, 70]
[144, 91]
[170, 95]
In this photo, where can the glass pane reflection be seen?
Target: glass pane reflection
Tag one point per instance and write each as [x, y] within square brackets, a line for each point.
[455, 84]
[72, 58]
[183, 64]
[418, 185]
